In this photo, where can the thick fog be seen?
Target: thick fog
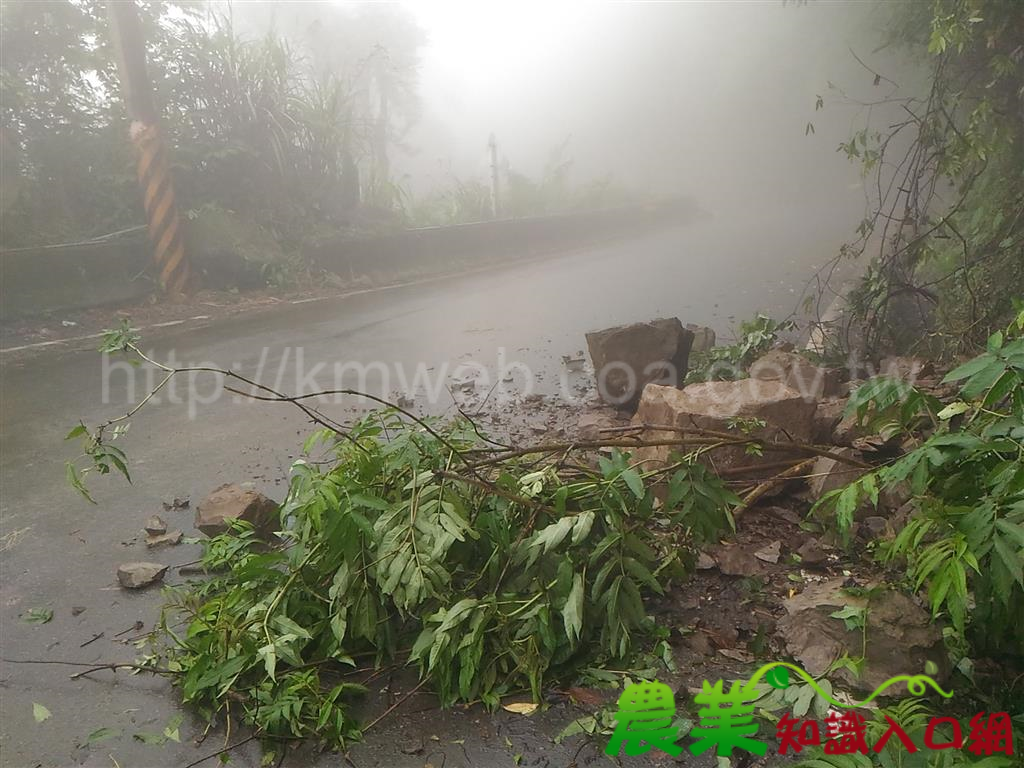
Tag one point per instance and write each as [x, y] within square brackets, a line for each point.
[708, 99]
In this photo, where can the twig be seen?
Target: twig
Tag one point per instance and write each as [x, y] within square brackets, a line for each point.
[92, 667]
[394, 706]
[771, 483]
[223, 750]
[93, 640]
[792, 445]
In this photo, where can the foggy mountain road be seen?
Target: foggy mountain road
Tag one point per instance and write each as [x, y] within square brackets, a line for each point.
[537, 312]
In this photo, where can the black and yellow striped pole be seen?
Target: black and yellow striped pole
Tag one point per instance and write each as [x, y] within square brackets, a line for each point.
[154, 170]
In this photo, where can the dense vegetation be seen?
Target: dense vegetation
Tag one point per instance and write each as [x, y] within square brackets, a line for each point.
[945, 226]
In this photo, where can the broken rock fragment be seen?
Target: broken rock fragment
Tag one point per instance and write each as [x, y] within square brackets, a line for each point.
[796, 372]
[230, 501]
[736, 561]
[703, 338]
[826, 418]
[900, 637]
[629, 356]
[829, 475]
[155, 526]
[769, 553]
[139, 575]
[812, 553]
[169, 539]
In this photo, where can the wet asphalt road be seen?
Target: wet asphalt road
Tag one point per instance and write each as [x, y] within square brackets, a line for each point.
[60, 553]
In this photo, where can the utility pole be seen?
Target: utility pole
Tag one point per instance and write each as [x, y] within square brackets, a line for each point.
[492, 146]
[153, 167]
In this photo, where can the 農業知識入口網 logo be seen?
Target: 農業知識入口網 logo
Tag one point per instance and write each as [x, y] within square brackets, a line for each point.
[646, 715]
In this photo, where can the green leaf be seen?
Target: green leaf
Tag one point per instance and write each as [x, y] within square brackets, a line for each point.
[967, 369]
[37, 616]
[77, 431]
[101, 734]
[39, 712]
[171, 731]
[634, 482]
[803, 702]
[572, 614]
[953, 409]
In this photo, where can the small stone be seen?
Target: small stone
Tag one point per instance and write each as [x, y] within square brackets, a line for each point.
[736, 561]
[591, 423]
[170, 539]
[785, 514]
[812, 553]
[770, 553]
[155, 526]
[874, 527]
[139, 575]
[77, 610]
[705, 562]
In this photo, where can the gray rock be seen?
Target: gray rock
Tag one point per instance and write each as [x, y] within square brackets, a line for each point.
[829, 475]
[703, 338]
[591, 423]
[231, 501]
[874, 527]
[155, 526]
[900, 635]
[628, 357]
[827, 418]
[139, 575]
[847, 431]
[769, 553]
[736, 561]
[812, 553]
[169, 539]
[705, 562]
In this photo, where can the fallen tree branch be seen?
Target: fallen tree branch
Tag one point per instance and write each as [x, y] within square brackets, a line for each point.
[771, 483]
[396, 705]
[93, 667]
[792, 445]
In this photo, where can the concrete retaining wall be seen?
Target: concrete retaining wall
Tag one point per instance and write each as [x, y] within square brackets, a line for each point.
[41, 281]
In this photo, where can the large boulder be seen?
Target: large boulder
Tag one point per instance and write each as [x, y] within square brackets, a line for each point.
[899, 639]
[231, 501]
[712, 405]
[630, 356]
[796, 372]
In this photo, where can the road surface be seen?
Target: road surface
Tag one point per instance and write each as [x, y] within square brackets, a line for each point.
[60, 553]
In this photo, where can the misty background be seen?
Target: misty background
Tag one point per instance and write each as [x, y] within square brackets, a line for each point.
[702, 98]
